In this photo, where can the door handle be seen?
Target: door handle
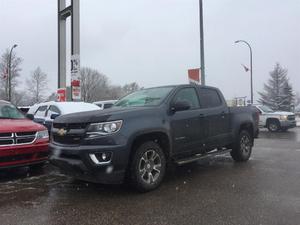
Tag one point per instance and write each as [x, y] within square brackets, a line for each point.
[223, 115]
[201, 115]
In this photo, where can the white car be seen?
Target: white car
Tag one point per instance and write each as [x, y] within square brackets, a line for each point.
[105, 104]
[275, 121]
[45, 113]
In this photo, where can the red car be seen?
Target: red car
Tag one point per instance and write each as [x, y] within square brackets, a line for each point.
[22, 141]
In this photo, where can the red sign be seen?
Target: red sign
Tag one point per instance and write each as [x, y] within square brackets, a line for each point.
[194, 76]
[61, 95]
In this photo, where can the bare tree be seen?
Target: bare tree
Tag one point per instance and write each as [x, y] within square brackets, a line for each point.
[15, 73]
[132, 87]
[94, 85]
[37, 85]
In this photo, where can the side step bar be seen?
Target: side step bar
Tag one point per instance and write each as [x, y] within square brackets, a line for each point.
[201, 156]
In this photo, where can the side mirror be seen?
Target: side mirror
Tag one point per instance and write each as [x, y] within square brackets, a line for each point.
[180, 106]
[53, 116]
[30, 116]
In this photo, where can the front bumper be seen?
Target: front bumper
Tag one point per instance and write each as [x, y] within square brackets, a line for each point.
[76, 162]
[23, 155]
[288, 123]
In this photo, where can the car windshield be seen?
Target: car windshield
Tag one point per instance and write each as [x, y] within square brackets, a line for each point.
[145, 97]
[266, 109]
[8, 111]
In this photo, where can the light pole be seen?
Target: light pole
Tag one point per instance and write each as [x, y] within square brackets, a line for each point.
[251, 71]
[9, 72]
[201, 42]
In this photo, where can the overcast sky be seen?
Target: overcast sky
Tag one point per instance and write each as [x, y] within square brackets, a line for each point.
[154, 42]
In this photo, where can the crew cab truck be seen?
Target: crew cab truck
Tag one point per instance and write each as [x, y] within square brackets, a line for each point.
[275, 121]
[22, 141]
[148, 129]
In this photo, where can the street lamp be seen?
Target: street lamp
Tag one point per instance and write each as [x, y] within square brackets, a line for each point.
[9, 72]
[251, 74]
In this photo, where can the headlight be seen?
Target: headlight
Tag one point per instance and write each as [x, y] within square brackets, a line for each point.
[283, 117]
[42, 135]
[104, 128]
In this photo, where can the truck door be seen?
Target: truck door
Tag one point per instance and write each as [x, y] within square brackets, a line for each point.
[217, 117]
[187, 133]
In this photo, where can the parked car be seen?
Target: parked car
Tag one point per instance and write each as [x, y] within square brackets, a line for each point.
[22, 142]
[275, 121]
[44, 113]
[148, 128]
[105, 104]
[24, 109]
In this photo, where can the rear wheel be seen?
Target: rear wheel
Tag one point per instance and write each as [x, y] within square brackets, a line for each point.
[148, 167]
[242, 149]
[273, 126]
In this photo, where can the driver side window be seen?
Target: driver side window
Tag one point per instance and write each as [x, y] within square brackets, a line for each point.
[189, 95]
[53, 110]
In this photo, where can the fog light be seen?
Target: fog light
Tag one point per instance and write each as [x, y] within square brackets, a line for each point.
[101, 158]
[104, 157]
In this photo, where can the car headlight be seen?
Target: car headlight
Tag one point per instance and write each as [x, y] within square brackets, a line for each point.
[43, 134]
[283, 117]
[104, 128]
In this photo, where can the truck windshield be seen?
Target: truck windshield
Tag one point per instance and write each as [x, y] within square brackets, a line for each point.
[146, 97]
[266, 109]
[10, 112]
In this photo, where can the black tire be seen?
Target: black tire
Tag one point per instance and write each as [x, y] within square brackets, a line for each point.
[148, 159]
[37, 167]
[242, 149]
[273, 126]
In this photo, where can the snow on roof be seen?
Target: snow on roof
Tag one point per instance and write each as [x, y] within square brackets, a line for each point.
[66, 107]
[72, 107]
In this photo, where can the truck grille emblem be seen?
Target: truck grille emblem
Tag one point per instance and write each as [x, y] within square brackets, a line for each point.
[62, 132]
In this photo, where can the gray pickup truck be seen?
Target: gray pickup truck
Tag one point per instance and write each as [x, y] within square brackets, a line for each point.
[143, 132]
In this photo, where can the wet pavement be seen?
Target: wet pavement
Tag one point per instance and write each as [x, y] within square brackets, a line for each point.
[265, 190]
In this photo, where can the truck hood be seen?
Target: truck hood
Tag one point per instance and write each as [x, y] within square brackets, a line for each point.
[281, 113]
[95, 116]
[19, 125]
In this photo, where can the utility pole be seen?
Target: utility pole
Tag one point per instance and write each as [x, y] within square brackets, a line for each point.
[10, 73]
[202, 63]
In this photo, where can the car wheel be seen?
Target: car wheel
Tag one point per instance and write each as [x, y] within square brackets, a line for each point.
[273, 126]
[148, 167]
[242, 149]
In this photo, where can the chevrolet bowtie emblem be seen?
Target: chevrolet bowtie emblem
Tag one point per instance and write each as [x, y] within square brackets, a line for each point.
[62, 132]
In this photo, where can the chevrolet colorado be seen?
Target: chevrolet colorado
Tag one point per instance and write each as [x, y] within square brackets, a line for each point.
[146, 130]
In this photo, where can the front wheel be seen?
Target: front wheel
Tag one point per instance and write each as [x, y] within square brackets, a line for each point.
[273, 126]
[242, 149]
[148, 167]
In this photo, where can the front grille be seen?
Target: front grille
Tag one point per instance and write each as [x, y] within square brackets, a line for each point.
[70, 125]
[18, 138]
[68, 139]
[291, 117]
[6, 135]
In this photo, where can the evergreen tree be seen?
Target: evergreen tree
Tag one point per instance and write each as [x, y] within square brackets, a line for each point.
[278, 93]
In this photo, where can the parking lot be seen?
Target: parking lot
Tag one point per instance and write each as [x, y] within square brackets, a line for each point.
[263, 191]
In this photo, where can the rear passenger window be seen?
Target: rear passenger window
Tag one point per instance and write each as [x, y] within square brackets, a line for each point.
[41, 111]
[188, 94]
[209, 98]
